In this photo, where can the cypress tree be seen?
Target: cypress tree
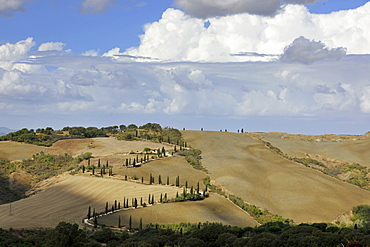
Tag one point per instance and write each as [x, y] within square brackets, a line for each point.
[94, 213]
[93, 170]
[184, 192]
[178, 181]
[141, 201]
[88, 162]
[119, 221]
[159, 179]
[134, 163]
[142, 180]
[127, 203]
[124, 202]
[95, 222]
[135, 202]
[106, 164]
[112, 208]
[163, 152]
[141, 224]
[130, 223]
[198, 188]
[115, 204]
[119, 205]
[153, 199]
[83, 169]
[101, 172]
[177, 194]
[126, 162]
[98, 163]
[161, 199]
[165, 199]
[106, 207]
[186, 184]
[191, 190]
[175, 149]
[150, 179]
[149, 199]
[89, 213]
[168, 180]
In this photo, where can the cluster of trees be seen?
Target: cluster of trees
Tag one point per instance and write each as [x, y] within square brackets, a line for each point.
[42, 166]
[273, 234]
[41, 138]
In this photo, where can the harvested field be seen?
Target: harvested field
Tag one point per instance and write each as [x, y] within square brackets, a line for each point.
[17, 150]
[172, 167]
[353, 150]
[102, 146]
[213, 209]
[69, 200]
[248, 169]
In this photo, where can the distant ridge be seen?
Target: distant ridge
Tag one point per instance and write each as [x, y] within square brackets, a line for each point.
[5, 130]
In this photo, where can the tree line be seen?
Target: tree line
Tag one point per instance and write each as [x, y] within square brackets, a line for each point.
[271, 234]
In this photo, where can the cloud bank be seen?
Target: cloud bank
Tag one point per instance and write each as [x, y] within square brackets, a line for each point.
[7, 8]
[307, 51]
[212, 8]
[179, 37]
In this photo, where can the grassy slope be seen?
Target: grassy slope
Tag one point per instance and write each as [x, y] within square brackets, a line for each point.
[70, 199]
[213, 209]
[17, 151]
[352, 151]
[250, 170]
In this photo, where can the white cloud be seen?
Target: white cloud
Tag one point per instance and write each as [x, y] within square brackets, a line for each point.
[307, 51]
[91, 53]
[179, 37]
[12, 53]
[51, 46]
[8, 7]
[96, 6]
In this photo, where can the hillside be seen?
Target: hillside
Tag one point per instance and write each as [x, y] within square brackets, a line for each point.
[250, 170]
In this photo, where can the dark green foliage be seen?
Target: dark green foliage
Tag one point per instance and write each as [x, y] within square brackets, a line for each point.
[67, 234]
[42, 166]
[192, 156]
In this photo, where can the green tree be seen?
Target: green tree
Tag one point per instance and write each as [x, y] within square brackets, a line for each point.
[67, 234]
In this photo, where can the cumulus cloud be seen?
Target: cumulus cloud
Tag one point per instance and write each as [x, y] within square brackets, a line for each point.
[11, 53]
[96, 6]
[212, 8]
[8, 7]
[51, 46]
[307, 51]
[179, 37]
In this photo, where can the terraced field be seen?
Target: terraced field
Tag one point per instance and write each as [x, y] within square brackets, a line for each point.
[248, 169]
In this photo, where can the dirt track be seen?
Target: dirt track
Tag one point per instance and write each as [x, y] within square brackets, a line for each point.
[247, 168]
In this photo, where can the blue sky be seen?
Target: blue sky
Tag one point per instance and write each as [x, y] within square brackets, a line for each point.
[273, 67]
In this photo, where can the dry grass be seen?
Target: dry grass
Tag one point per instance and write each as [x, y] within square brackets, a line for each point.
[213, 209]
[17, 151]
[247, 168]
[69, 200]
[102, 146]
[353, 150]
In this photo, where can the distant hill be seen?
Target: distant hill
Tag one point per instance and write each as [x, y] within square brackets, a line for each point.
[5, 130]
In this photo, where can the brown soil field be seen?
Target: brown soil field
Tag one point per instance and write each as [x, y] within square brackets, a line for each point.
[18, 151]
[69, 200]
[355, 150]
[250, 170]
[102, 146]
[213, 209]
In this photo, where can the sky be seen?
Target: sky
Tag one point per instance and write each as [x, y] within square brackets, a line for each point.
[296, 66]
